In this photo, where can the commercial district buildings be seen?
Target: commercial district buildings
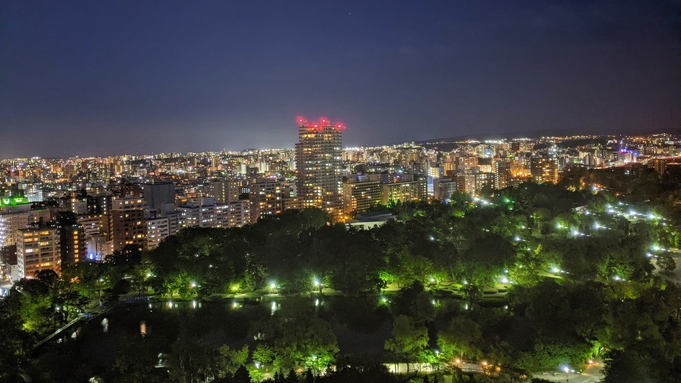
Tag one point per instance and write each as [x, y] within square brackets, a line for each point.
[59, 211]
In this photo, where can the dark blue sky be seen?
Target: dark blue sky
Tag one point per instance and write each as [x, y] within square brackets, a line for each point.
[109, 77]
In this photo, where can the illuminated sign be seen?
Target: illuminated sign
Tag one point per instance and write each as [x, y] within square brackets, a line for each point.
[13, 201]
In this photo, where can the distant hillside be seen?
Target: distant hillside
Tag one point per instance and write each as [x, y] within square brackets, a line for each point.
[533, 134]
[493, 136]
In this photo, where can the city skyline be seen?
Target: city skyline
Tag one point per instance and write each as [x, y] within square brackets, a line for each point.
[96, 79]
[340, 191]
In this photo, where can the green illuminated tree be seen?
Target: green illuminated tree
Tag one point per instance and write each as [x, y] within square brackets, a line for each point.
[463, 338]
[408, 339]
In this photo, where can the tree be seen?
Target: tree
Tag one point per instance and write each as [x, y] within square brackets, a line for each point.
[627, 367]
[463, 338]
[485, 259]
[408, 339]
[416, 303]
[191, 360]
[291, 377]
[666, 263]
[135, 362]
[241, 376]
[229, 361]
[295, 338]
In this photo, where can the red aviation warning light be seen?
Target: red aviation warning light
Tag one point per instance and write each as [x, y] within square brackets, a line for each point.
[323, 123]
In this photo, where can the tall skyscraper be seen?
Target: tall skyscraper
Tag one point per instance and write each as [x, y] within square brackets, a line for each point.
[319, 164]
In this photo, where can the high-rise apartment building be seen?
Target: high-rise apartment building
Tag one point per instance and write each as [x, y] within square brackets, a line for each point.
[19, 216]
[199, 214]
[361, 194]
[319, 164]
[544, 169]
[157, 229]
[127, 222]
[72, 239]
[467, 162]
[502, 174]
[9, 224]
[225, 191]
[266, 197]
[233, 214]
[158, 194]
[483, 180]
[443, 188]
[405, 191]
[465, 182]
[38, 248]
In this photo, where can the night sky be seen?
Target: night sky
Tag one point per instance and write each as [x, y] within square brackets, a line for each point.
[114, 77]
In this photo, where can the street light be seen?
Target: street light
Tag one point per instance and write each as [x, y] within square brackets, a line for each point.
[567, 371]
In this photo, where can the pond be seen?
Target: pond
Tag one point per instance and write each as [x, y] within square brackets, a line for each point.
[361, 325]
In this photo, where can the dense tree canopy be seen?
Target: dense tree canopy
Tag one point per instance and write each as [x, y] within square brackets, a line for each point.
[547, 275]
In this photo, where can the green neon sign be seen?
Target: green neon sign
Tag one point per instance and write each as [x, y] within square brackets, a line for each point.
[13, 201]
